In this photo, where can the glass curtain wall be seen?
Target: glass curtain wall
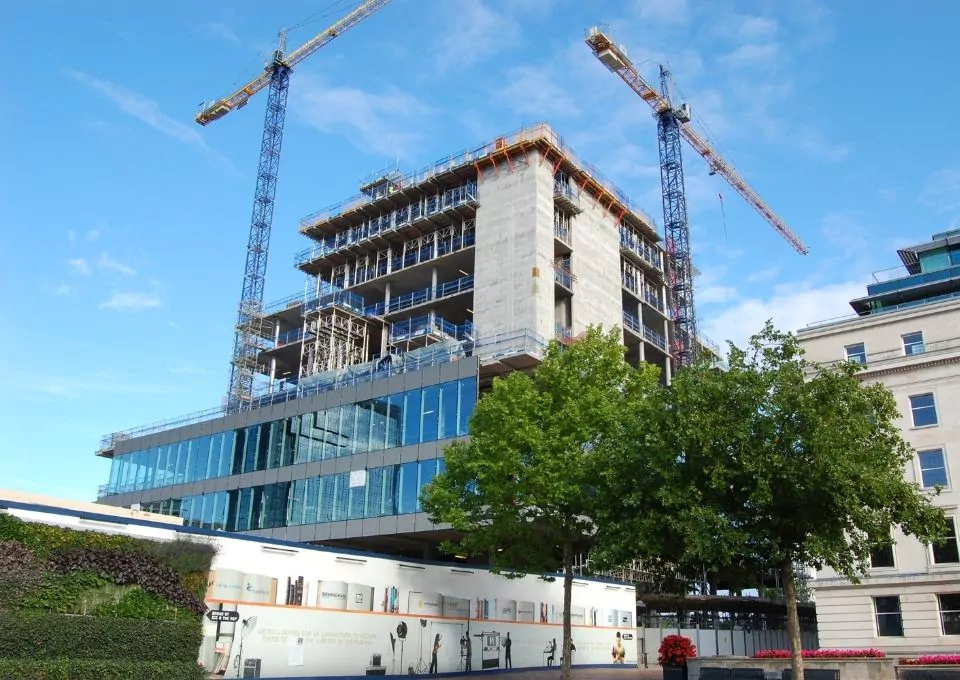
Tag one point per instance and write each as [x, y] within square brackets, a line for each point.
[423, 415]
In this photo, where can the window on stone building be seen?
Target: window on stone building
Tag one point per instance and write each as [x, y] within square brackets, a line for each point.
[949, 613]
[933, 468]
[882, 558]
[857, 353]
[889, 618]
[923, 409]
[913, 343]
[946, 552]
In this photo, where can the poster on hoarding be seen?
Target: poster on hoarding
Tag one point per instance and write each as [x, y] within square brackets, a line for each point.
[316, 613]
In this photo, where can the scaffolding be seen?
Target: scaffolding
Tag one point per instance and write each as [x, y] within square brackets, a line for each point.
[334, 337]
[256, 333]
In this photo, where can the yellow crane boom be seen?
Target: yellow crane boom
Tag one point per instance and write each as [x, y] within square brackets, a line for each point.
[237, 100]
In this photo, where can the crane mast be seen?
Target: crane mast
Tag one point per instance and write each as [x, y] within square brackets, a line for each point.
[248, 341]
[673, 123]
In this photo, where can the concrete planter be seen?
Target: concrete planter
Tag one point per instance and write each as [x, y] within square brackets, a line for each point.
[850, 669]
[938, 671]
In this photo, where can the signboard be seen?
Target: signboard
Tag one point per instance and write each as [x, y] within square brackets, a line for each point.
[222, 615]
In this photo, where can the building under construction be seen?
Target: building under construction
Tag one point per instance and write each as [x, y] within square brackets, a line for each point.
[420, 290]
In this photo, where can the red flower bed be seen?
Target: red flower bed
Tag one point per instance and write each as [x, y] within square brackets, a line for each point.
[675, 650]
[933, 660]
[822, 654]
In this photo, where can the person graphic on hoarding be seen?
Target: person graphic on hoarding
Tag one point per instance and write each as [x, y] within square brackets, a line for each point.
[618, 652]
[552, 650]
[507, 644]
[469, 651]
[433, 656]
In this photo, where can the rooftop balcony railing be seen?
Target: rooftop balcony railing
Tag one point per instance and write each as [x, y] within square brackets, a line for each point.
[489, 347]
[885, 310]
[899, 278]
[467, 157]
[639, 246]
[409, 329]
[390, 221]
[564, 277]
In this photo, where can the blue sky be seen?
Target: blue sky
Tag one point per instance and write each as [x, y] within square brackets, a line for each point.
[125, 223]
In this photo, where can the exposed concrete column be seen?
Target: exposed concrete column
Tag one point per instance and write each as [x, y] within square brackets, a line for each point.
[385, 336]
[643, 351]
[433, 282]
[273, 372]
[389, 259]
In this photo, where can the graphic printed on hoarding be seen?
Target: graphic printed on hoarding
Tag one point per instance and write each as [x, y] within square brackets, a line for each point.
[354, 624]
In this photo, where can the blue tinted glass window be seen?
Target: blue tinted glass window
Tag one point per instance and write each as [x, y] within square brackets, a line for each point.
[136, 475]
[328, 498]
[295, 504]
[263, 446]
[391, 478]
[378, 423]
[239, 451]
[291, 428]
[449, 423]
[201, 458]
[126, 467]
[233, 510]
[924, 410]
[441, 465]
[409, 488]
[311, 501]
[113, 484]
[334, 443]
[394, 420]
[256, 508]
[275, 447]
[358, 499]
[219, 511]
[363, 426]
[275, 497]
[206, 519]
[151, 462]
[375, 484]
[191, 447]
[216, 448]
[431, 413]
[955, 257]
[170, 476]
[348, 434]
[411, 417]
[244, 509]
[183, 458]
[428, 470]
[468, 399]
[226, 453]
[250, 450]
[342, 498]
[186, 507]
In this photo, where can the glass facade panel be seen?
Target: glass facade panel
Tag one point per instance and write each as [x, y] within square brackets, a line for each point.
[406, 418]
[409, 488]
[412, 403]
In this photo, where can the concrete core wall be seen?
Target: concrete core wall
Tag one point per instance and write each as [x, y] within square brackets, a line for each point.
[513, 276]
[598, 296]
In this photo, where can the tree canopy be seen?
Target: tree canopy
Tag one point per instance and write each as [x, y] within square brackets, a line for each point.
[774, 463]
[522, 490]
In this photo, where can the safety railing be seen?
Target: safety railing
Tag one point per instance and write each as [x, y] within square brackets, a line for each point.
[899, 278]
[561, 226]
[431, 324]
[486, 348]
[289, 337]
[884, 310]
[639, 246]
[563, 191]
[648, 334]
[408, 300]
[342, 298]
[564, 277]
[412, 257]
[534, 133]
[455, 287]
[563, 333]
[389, 221]
[652, 299]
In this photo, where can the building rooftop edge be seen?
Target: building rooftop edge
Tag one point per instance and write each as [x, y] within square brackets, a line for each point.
[472, 155]
[836, 324]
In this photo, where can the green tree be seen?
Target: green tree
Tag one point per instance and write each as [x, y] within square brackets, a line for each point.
[776, 463]
[519, 492]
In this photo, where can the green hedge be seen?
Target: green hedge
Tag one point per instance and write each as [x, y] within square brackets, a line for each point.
[52, 636]
[73, 669]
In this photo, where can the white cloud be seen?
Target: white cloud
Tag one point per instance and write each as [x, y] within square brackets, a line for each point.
[756, 28]
[109, 264]
[708, 295]
[148, 111]
[64, 290]
[764, 275]
[534, 91]
[941, 191]
[664, 11]
[131, 302]
[218, 29]
[80, 266]
[472, 32]
[752, 54]
[791, 306]
[376, 122]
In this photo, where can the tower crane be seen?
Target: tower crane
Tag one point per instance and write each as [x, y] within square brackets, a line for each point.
[276, 76]
[673, 123]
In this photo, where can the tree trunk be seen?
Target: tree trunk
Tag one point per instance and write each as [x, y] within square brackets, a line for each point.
[793, 620]
[567, 597]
